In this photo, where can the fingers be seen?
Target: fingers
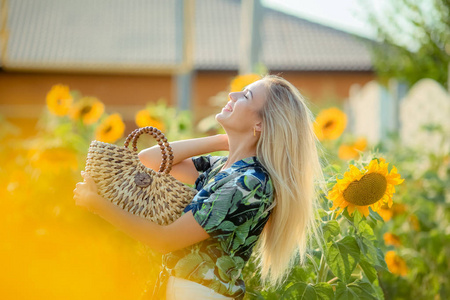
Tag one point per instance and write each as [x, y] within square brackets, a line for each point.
[79, 193]
[89, 181]
[85, 175]
[82, 190]
[75, 194]
[78, 186]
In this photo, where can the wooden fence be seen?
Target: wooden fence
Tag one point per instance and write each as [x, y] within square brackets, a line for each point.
[420, 115]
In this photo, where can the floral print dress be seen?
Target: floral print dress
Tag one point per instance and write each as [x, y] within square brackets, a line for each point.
[232, 206]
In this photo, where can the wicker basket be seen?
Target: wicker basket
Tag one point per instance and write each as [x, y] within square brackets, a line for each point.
[124, 180]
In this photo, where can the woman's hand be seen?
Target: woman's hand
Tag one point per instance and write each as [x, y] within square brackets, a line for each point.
[185, 231]
[86, 194]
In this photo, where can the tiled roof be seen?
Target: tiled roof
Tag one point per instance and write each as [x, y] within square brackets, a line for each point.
[139, 34]
[297, 44]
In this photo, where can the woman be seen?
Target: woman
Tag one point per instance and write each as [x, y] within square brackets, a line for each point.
[261, 196]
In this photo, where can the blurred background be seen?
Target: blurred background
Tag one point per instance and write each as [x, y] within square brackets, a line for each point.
[74, 71]
[183, 51]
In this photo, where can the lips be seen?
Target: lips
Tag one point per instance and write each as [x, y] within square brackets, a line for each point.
[228, 107]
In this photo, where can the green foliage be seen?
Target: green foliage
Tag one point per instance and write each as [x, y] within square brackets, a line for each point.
[423, 226]
[353, 263]
[342, 257]
[350, 265]
[415, 38]
[177, 124]
[344, 269]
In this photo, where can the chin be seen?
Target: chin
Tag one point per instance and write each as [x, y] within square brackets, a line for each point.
[219, 116]
[221, 119]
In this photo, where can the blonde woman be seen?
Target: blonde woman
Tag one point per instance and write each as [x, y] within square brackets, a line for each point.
[260, 198]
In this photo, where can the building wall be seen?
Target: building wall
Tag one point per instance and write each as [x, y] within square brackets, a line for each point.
[320, 86]
[22, 95]
[315, 86]
[31, 88]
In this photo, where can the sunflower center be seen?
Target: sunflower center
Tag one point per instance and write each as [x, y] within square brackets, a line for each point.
[368, 190]
[107, 129]
[328, 124]
[85, 110]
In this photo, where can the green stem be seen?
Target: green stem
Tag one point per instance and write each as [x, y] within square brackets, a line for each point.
[332, 280]
[323, 270]
[313, 262]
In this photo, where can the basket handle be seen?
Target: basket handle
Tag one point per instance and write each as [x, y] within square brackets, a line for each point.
[166, 165]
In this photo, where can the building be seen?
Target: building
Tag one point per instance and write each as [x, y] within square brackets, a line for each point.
[127, 52]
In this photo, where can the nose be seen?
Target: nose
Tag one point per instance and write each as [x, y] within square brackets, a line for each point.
[232, 96]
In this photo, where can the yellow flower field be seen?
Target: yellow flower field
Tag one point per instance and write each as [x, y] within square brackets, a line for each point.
[384, 221]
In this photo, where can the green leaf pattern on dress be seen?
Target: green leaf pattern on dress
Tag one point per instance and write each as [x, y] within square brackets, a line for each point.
[232, 206]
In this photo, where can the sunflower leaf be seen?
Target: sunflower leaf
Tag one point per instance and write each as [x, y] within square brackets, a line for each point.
[356, 217]
[332, 169]
[366, 239]
[356, 290]
[369, 270]
[300, 274]
[300, 290]
[381, 261]
[344, 293]
[375, 215]
[366, 231]
[324, 291]
[364, 290]
[330, 228]
[342, 257]
[322, 213]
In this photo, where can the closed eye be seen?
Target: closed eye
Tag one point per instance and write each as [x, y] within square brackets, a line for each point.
[246, 91]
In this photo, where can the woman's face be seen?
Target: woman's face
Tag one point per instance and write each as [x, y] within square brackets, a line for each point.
[241, 112]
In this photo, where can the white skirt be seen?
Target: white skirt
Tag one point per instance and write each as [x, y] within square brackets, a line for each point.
[182, 289]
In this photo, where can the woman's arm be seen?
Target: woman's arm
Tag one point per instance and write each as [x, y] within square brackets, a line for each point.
[183, 168]
[151, 157]
[182, 233]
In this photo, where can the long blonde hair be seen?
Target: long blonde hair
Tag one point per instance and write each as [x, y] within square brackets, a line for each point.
[289, 150]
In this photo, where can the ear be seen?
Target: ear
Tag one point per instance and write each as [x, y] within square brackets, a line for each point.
[258, 126]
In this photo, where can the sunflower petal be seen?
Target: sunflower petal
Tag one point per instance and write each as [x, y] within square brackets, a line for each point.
[364, 210]
[351, 208]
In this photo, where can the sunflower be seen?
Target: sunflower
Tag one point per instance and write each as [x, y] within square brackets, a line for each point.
[87, 109]
[59, 100]
[330, 124]
[352, 151]
[396, 264]
[144, 118]
[391, 239]
[363, 189]
[387, 213]
[111, 129]
[53, 159]
[241, 81]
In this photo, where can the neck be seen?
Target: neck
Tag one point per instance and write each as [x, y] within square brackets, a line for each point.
[240, 147]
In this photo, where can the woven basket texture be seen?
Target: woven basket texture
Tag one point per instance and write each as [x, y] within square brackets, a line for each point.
[125, 181]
